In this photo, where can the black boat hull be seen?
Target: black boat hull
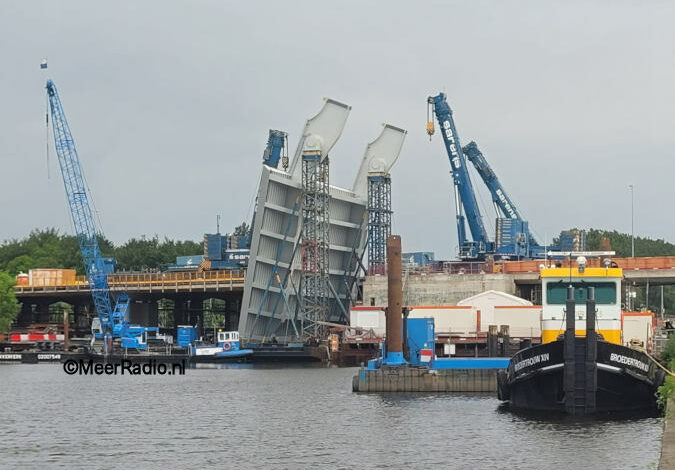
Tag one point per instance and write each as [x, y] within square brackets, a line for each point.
[627, 379]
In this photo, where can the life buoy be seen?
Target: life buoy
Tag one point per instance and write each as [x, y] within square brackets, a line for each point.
[227, 346]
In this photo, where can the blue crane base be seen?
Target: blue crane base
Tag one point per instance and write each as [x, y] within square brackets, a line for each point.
[393, 359]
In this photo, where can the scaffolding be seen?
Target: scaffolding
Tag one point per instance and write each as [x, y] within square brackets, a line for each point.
[379, 221]
[314, 245]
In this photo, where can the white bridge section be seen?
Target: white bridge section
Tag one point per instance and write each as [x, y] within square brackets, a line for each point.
[321, 131]
[275, 256]
[379, 157]
[270, 306]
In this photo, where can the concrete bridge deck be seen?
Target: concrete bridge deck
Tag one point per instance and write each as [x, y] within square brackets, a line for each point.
[453, 283]
[145, 283]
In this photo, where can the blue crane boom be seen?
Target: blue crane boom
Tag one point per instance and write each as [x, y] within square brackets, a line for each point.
[500, 198]
[465, 198]
[513, 237]
[110, 321]
[276, 149]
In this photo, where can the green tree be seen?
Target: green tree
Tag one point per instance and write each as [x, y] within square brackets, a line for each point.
[20, 264]
[242, 230]
[50, 249]
[9, 307]
[621, 244]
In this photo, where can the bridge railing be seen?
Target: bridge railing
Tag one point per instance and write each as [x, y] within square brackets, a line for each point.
[155, 279]
[627, 264]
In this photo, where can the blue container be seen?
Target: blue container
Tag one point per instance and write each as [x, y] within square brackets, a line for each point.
[186, 335]
[214, 244]
[192, 260]
[418, 258]
[420, 335]
[236, 242]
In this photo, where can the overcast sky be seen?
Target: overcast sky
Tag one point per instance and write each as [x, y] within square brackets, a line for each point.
[170, 104]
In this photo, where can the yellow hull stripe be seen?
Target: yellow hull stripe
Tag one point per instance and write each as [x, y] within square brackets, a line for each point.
[611, 336]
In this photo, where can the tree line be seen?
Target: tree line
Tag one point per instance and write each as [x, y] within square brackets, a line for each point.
[50, 249]
[621, 243]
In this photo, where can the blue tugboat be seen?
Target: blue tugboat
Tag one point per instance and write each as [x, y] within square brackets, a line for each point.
[227, 347]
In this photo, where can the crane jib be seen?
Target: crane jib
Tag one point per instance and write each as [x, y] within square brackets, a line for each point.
[447, 129]
[81, 213]
[506, 204]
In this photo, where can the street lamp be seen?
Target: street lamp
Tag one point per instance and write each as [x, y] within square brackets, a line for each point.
[632, 224]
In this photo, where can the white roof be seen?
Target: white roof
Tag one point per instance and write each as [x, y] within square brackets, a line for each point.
[495, 298]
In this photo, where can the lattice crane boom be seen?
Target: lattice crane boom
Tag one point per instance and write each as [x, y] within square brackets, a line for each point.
[110, 320]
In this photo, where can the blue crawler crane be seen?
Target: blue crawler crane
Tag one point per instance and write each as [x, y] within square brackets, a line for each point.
[110, 321]
[513, 238]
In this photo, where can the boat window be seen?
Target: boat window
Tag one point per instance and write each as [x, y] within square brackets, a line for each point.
[605, 292]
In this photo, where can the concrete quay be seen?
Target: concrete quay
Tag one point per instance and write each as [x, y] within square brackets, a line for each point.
[667, 461]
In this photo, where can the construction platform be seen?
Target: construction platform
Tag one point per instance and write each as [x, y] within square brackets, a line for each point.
[447, 375]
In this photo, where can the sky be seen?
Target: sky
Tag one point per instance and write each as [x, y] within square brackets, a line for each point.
[170, 105]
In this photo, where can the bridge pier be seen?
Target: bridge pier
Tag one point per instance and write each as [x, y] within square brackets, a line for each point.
[144, 313]
[232, 309]
[41, 312]
[25, 316]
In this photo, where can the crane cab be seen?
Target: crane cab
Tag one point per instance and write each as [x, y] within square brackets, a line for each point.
[136, 342]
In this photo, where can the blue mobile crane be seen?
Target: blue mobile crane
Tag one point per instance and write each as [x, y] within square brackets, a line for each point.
[277, 149]
[513, 238]
[110, 322]
[466, 207]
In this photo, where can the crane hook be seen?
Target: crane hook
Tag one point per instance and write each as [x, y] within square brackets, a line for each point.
[430, 129]
[430, 121]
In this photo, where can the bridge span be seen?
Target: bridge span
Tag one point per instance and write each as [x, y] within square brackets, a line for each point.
[187, 292]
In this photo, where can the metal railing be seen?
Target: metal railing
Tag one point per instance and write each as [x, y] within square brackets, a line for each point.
[154, 280]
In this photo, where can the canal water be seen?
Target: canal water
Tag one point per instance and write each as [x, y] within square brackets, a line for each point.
[288, 418]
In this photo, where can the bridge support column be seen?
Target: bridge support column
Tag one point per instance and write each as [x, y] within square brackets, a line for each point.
[84, 314]
[188, 312]
[179, 316]
[144, 313]
[232, 309]
[25, 316]
[41, 312]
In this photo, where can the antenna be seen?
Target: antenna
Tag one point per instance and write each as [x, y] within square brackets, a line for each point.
[47, 133]
[218, 223]
[43, 65]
